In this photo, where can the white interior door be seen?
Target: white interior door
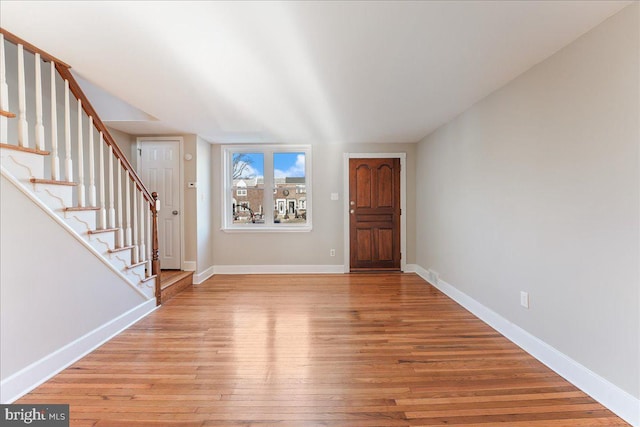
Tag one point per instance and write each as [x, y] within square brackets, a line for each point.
[160, 171]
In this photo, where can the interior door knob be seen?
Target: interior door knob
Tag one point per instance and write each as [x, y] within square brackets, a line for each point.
[175, 212]
[352, 203]
[352, 211]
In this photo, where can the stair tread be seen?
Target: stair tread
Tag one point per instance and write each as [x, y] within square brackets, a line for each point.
[146, 279]
[24, 149]
[123, 248]
[81, 208]
[51, 181]
[136, 264]
[103, 230]
[176, 278]
[8, 114]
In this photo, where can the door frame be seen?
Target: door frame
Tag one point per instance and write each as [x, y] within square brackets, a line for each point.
[403, 203]
[140, 141]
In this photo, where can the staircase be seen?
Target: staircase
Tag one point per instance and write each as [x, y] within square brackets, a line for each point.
[74, 169]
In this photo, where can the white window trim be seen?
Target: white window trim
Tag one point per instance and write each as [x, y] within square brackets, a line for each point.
[268, 196]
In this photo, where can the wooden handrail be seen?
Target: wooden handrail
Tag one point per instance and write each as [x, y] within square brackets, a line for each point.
[31, 48]
[65, 73]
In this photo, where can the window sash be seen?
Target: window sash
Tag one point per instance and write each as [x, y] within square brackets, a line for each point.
[269, 197]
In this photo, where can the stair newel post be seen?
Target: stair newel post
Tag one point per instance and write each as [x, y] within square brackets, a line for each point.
[68, 163]
[4, 92]
[155, 260]
[55, 160]
[92, 167]
[81, 188]
[127, 212]
[120, 232]
[103, 176]
[23, 127]
[143, 217]
[135, 257]
[39, 123]
[110, 179]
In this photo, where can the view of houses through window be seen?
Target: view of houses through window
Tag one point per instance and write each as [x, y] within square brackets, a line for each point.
[287, 198]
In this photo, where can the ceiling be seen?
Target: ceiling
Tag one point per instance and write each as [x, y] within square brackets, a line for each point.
[304, 72]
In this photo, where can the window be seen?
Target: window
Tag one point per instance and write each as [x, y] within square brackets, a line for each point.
[267, 175]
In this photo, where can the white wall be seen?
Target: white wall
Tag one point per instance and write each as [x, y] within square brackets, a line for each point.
[204, 205]
[54, 291]
[307, 248]
[536, 188]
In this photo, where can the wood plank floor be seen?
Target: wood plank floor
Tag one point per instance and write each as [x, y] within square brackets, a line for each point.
[315, 350]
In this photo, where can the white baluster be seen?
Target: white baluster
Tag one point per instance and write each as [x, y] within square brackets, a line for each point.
[55, 160]
[68, 163]
[141, 246]
[4, 93]
[127, 217]
[23, 127]
[103, 176]
[112, 210]
[81, 202]
[135, 256]
[39, 124]
[120, 233]
[92, 167]
[149, 242]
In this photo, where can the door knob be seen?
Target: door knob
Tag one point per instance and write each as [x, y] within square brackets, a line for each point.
[351, 211]
[175, 212]
[352, 203]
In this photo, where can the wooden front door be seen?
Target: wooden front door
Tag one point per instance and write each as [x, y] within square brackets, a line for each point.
[374, 214]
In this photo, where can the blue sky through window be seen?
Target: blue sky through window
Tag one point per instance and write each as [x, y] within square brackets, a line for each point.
[284, 164]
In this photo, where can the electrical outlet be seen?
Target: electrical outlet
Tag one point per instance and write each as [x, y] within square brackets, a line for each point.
[332, 252]
[524, 299]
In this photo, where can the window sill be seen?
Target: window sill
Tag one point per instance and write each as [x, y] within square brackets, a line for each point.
[268, 229]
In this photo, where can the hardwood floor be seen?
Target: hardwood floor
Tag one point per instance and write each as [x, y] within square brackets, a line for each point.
[314, 350]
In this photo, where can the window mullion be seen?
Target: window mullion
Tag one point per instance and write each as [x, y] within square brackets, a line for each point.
[268, 187]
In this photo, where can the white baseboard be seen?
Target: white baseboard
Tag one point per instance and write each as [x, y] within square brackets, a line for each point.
[201, 277]
[611, 396]
[189, 266]
[410, 268]
[278, 269]
[25, 380]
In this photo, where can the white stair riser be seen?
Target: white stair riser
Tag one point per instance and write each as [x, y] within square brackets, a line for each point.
[80, 221]
[121, 259]
[102, 242]
[148, 288]
[22, 165]
[57, 197]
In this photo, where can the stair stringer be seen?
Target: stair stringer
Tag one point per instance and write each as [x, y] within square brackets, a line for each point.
[146, 289]
[24, 166]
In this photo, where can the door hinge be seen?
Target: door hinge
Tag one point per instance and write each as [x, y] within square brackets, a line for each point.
[400, 255]
[400, 211]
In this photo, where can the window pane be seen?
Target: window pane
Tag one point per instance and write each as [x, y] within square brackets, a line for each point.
[289, 197]
[247, 192]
